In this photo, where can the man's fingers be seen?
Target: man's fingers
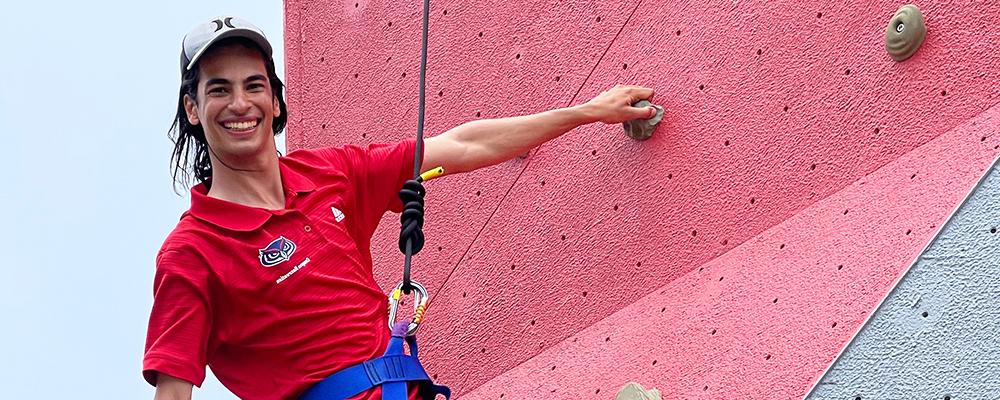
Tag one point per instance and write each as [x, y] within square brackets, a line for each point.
[640, 92]
[647, 112]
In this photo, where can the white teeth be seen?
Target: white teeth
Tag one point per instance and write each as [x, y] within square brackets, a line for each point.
[244, 125]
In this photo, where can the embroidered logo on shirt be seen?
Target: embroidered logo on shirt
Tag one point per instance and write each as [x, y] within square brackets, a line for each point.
[279, 251]
[339, 215]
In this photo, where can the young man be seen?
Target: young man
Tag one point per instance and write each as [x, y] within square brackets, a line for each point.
[268, 277]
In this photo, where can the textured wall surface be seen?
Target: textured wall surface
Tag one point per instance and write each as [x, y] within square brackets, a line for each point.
[765, 319]
[771, 108]
[937, 335]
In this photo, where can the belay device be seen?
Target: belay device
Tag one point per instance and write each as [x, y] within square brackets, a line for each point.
[395, 368]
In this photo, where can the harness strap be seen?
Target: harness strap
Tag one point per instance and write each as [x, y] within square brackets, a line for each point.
[392, 371]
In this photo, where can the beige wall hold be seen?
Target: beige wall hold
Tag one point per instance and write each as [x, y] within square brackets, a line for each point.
[642, 129]
[635, 391]
[905, 33]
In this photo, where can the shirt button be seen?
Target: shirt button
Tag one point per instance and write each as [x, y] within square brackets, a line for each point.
[308, 228]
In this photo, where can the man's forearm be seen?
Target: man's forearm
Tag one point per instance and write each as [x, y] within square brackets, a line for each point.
[492, 141]
[478, 144]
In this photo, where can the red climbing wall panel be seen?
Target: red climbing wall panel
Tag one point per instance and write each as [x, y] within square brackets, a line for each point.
[771, 108]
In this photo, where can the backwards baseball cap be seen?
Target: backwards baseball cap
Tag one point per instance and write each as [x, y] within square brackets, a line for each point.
[203, 36]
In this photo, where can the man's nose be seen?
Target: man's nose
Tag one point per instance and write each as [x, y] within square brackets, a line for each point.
[241, 102]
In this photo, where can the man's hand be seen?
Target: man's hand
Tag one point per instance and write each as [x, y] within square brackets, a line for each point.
[614, 106]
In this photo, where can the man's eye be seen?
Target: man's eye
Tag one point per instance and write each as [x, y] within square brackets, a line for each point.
[255, 87]
[218, 91]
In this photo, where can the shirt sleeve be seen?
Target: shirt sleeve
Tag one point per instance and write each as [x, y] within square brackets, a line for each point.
[378, 172]
[180, 321]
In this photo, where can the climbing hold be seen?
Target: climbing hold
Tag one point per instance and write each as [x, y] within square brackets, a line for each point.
[635, 391]
[642, 129]
[905, 33]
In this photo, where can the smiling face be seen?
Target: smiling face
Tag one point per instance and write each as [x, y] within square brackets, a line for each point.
[235, 105]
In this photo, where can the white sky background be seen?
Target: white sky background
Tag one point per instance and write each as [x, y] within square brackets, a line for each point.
[87, 92]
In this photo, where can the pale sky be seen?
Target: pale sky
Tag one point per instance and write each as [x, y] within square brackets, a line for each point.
[87, 92]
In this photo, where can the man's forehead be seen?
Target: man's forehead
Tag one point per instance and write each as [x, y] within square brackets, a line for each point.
[233, 60]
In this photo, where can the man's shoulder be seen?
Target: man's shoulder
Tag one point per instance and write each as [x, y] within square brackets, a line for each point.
[186, 236]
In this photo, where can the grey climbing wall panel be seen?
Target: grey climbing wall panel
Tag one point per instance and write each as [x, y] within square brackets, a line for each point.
[937, 334]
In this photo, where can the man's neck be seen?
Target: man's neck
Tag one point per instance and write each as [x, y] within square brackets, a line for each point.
[257, 185]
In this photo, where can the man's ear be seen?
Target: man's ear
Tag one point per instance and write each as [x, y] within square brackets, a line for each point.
[276, 105]
[192, 110]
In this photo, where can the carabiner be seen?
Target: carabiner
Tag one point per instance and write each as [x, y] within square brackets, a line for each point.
[420, 298]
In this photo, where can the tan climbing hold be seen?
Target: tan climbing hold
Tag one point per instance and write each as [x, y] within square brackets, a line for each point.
[905, 33]
[635, 391]
[642, 129]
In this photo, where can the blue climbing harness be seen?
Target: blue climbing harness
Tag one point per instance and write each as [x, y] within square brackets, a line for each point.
[391, 371]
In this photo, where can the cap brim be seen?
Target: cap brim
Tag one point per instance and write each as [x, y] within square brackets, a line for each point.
[251, 34]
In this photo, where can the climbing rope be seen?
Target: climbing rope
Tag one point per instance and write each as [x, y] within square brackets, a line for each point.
[411, 235]
[411, 220]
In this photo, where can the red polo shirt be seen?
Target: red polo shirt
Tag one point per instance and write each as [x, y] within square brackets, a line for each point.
[276, 300]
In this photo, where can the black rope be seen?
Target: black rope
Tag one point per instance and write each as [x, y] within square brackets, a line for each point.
[411, 234]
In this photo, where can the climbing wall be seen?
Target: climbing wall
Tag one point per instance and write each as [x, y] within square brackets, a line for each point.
[798, 173]
[936, 334]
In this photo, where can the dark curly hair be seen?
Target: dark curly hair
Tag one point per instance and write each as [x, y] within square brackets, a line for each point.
[190, 162]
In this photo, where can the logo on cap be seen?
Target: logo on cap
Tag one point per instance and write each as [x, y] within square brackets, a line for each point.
[279, 251]
[219, 23]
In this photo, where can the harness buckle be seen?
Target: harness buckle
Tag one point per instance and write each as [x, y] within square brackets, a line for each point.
[420, 298]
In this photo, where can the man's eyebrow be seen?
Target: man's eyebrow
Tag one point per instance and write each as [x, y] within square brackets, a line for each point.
[216, 81]
[255, 78]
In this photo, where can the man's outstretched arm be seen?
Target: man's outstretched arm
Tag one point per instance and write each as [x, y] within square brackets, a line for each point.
[482, 143]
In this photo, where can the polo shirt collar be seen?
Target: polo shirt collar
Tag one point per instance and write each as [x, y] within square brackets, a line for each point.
[238, 217]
